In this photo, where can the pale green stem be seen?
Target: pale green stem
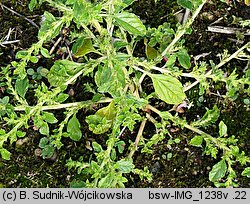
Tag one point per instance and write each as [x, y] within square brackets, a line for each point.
[128, 48]
[88, 31]
[20, 100]
[223, 62]
[66, 105]
[234, 55]
[182, 31]
[97, 26]
[73, 78]
[141, 70]
[22, 122]
[194, 129]
[162, 70]
[105, 160]
[138, 137]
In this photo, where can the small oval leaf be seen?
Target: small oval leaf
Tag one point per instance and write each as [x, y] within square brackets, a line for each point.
[97, 148]
[5, 154]
[43, 142]
[73, 129]
[222, 129]
[218, 171]
[49, 117]
[22, 86]
[44, 129]
[44, 52]
[196, 141]
[184, 59]
[246, 172]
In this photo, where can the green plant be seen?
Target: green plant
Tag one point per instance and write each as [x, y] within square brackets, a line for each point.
[41, 72]
[103, 42]
[47, 148]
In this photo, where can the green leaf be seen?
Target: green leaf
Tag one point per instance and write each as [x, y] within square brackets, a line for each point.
[73, 129]
[2, 131]
[184, 59]
[125, 166]
[97, 148]
[43, 142]
[222, 129]
[33, 59]
[108, 111]
[119, 44]
[106, 181]
[5, 154]
[130, 22]
[168, 88]
[235, 150]
[113, 155]
[77, 184]
[196, 141]
[122, 56]
[208, 118]
[44, 129]
[169, 156]
[122, 5]
[177, 140]
[86, 12]
[44, 52]
[111, 79]
[30, 71]
[61, 97]
[43, 72]
[20, 134]
[5, 100]
[185, 3]
[82, 47]
[246, 172]
[98, 124]
[49, 16]
[218, 171]
[121, 146]
[151, 53]
[166, 115]
[32, 4]
[171, 60]
[50, 27]
[61, 71]
[246, 101]
[21, 54]
[22, 86]
[49, 117]
[48, 151]
[128, 2]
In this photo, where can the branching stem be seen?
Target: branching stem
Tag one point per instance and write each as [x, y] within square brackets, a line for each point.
[223, 62]
[194, 129]
[66, 105]
[137, 140]
[182, 31]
